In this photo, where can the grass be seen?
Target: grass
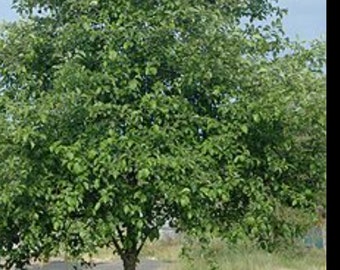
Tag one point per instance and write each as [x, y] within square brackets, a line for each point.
[239, 257]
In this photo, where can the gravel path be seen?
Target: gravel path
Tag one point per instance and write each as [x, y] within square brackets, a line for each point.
[117, 265]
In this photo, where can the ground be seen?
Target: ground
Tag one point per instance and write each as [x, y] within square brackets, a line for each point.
[146, 264]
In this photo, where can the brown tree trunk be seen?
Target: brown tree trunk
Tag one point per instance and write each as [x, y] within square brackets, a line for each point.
[130, 260]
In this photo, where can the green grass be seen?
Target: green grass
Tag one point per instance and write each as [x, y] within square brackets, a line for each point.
[239, 257]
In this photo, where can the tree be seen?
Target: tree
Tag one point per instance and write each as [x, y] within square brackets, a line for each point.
[117, 116]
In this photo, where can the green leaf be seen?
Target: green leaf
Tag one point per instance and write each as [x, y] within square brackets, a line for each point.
[151, 71]
[244, 129]
[140, 224]
[78, 168]
[32, 144]
[126, 209]
[184, 201]
[127, 45]
[69, 155]
[256, 118]
[97, 206]
[143, 174]
[133, 84]
[205, 191]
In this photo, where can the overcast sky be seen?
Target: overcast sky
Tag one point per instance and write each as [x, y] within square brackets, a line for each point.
[306, 18]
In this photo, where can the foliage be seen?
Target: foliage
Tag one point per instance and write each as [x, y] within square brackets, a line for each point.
[117, 116]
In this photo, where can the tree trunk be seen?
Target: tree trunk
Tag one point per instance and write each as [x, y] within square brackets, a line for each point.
[130, 260]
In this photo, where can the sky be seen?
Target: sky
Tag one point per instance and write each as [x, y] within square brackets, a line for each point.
[306, 19]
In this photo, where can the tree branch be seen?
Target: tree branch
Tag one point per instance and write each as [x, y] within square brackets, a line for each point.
[117, 246]
[142, 244]
[120, 234]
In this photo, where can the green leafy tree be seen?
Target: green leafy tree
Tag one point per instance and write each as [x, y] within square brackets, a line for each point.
[117, 116]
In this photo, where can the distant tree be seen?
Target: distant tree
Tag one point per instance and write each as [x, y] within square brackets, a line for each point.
[117, 116]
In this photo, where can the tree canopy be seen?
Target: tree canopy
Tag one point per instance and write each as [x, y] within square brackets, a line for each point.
[117, 116]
